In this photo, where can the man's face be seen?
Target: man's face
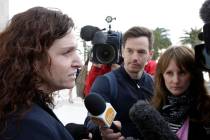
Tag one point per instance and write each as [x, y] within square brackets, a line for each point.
[64, 63]
[136, 54]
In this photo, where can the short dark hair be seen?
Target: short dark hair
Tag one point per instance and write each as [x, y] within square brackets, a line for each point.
[138, 31]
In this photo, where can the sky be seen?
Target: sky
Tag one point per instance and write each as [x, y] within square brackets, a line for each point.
[175, 15]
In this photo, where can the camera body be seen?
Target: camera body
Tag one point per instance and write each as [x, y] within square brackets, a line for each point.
[202, 51]
[109, 51]
[106, 45]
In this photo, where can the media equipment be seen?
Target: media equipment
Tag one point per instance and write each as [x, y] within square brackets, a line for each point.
[150, 123]
[101, 113]
[106, 45]
[202, 51]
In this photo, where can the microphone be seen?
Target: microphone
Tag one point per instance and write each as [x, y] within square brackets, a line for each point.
[101, 113]
[205, 11]
[150, 123]
[205, 16]
[202, 51]
[94, 34]
[87, 32]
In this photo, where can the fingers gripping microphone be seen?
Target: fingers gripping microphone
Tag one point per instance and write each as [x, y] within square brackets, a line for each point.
[150, 123]
[101, 113]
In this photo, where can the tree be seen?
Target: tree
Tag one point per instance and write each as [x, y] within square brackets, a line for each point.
[161, 41]
[191, 37]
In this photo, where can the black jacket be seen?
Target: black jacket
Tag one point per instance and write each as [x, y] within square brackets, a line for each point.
[128, 94]
[39, 123]
[198, 131]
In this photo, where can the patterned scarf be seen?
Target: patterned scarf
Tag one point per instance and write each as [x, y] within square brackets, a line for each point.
[177, 108]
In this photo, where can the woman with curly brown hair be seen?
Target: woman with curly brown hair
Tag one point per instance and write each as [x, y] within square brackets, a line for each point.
[181, 95]
[38, 55]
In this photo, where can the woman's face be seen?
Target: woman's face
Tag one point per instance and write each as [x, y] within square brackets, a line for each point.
[176, 80]
[65, 61]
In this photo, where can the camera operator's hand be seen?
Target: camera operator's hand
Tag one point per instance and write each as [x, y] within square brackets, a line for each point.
[97, 65]
[115, 66]
[108, 133]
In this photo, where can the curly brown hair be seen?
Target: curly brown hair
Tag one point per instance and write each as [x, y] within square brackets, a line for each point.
[23, 52]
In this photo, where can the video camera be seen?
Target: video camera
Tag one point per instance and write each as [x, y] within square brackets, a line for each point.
[202, 51]
[106, 47]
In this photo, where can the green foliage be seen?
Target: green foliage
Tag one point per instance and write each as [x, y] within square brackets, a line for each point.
[161, 41]
[191, 37]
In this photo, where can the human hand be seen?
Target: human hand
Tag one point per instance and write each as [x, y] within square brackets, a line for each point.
[115, 66]
[108, 133]
[97, 65]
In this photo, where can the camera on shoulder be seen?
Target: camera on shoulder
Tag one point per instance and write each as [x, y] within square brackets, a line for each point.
[106, 45]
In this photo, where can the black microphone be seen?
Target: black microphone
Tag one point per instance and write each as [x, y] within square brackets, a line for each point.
[205, 11]
[205, 16]
[150, 123]
[202, 51]
[87, 32]
[101, 113]
[94, 34]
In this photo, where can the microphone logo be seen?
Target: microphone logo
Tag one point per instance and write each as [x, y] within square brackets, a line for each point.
[109, 116]
[101, 113]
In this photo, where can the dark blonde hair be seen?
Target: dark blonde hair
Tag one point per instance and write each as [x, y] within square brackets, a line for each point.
[185, 60]
[23, 52]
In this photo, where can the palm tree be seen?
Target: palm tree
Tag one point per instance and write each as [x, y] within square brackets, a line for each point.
[191, 37]
[161, 41]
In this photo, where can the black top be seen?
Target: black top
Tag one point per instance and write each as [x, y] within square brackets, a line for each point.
[129, 92]
[39, 123]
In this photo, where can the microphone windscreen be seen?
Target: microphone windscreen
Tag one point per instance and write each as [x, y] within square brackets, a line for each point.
[95, 104]
[150, 123]
[205, 11]
[142, 110]
[87, 32]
